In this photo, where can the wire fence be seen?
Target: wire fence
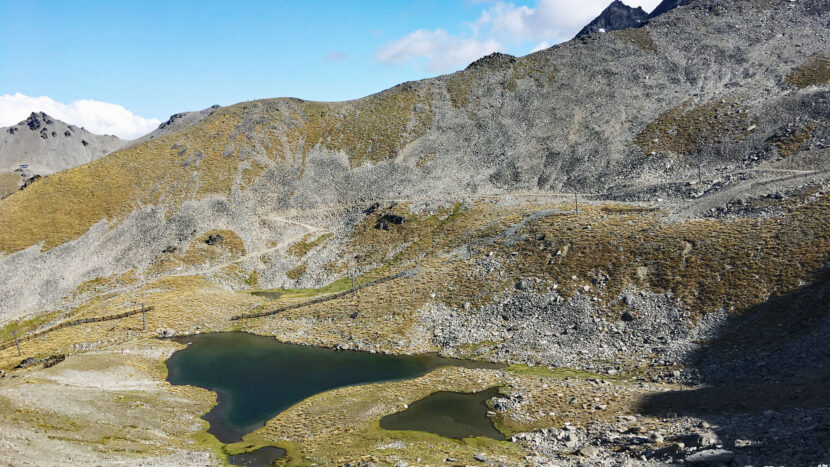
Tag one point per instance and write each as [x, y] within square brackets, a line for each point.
[67, 324]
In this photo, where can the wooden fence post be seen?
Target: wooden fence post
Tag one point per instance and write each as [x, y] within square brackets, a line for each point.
[469, 248]
[576, 203]
[143, 318]
[16, 342]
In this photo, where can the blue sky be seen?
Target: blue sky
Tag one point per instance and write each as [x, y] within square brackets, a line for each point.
[150, 59]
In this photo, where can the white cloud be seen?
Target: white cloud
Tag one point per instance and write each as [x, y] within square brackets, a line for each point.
[500, 25]
[97, 117]
[440, 50]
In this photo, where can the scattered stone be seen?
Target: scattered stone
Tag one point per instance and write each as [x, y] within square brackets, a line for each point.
[214, 239]
[627, 317]
[589, 451]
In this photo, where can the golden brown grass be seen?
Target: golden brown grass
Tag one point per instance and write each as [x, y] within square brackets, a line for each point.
[301, 248]
[684, 129]
[535, 67]
[640, 37]
[296, 272]
[813, 72]
[791, 142]
[372, 129]
[9, 183]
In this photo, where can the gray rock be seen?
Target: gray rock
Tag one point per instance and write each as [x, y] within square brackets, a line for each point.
[710, 457]
[589, 451]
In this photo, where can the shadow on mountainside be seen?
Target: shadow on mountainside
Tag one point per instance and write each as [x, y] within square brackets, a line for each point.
[766, 380]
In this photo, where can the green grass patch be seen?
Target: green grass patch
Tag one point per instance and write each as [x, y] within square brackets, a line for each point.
[253, 279]
[339, 285]
[25, 326]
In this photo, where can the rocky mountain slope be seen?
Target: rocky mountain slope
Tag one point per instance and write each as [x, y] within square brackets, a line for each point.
[647, 204]
[617, 16]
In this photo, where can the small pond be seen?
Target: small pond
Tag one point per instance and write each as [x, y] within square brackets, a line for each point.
[259, 457]
[448, 414]
[256, 377]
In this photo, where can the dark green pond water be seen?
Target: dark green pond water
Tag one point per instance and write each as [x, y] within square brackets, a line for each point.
[449, 414]
[260, 457]
[257, 377]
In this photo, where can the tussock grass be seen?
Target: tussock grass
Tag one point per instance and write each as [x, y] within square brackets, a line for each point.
[9, 183]
[368, 131]
[460, 85]
[301, 248]
[199, 253]
[813, 72]
[640, 37]
[791, 142]
[296, 272]
[684, 129]
[535, 67]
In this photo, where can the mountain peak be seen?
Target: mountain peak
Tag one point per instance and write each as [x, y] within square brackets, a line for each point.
[616, 16]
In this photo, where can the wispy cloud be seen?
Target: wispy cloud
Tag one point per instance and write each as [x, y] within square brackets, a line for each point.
[96, 117]
[499, 26]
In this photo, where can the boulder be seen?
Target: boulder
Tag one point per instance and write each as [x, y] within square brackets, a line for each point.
[387, 220]
[25, 363]
[589, 451]
[374, 207]
[710, 457]
[214, 239]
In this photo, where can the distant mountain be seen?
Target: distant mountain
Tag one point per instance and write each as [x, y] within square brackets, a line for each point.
[43, 145]
[618, 15]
